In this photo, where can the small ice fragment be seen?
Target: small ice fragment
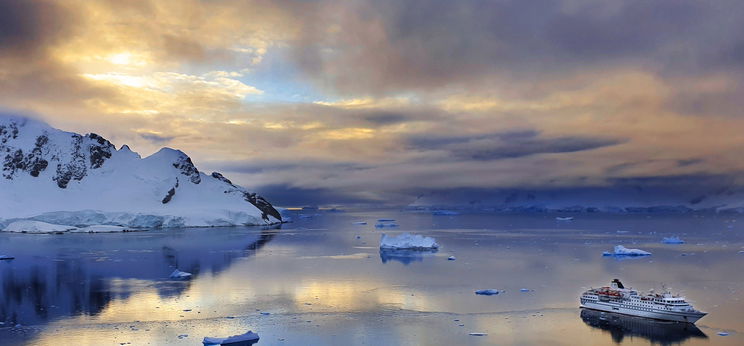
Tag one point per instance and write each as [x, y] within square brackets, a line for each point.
[186, 310]
[723, 333]
[488, 292]
[672, 240]
[179, 275]
[524, 290]
[477, 334]
[564, 218]
[623, 251]
[6, 257]
[408, 241]
[385, 220]
[386, 225]
[359, 237]
[360, 223]
[451, 258]
[235, 339]
[183, 336]
[265, 313]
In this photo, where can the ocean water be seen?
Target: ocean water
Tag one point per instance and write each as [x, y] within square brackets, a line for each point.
[322, 280]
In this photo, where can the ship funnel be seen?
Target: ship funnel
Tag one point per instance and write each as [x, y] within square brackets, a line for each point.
[618, 283]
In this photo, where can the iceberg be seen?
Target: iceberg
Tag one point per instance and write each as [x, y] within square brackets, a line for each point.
[408, 241]
[248, 338]
[488, 292]
[672, 240]
[38, 227]
[564, 218]
[451, 258]
[179, 275]
[623, 251]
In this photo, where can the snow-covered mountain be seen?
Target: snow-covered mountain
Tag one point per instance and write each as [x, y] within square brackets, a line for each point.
[65, 178]
[626, 197]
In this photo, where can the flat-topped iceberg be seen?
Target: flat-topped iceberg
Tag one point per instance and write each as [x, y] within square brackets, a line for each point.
[623, 251]
[408, 241]
[672, 240]
[248, 338]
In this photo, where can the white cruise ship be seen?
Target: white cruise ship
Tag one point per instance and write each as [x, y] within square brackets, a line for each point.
[618, 299]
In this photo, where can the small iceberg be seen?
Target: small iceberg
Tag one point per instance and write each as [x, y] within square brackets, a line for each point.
[623, 251]
[179, 275]
[408, 241]
[672, 240]
[6, 258]
[524, 290]
[359, 223]
[488, 292]
[386, 225]
[451, 258]
[564, 218]
[385, 220]
[723, 333]
[248, 338]
[477, 334]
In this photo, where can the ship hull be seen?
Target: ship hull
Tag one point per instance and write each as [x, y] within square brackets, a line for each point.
[684, 317]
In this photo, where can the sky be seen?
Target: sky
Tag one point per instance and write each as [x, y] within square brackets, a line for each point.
[339, 102]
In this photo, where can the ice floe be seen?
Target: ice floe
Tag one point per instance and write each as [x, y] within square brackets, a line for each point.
[180, 275]
[451, 258]
[242, 339]
[408, 241]
[488, 292]
[623, 251]
[672, 240]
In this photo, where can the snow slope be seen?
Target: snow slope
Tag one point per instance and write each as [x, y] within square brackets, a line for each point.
[69, 179]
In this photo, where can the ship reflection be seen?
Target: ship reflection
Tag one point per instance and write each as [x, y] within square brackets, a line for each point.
[657, 332]
[82, 275]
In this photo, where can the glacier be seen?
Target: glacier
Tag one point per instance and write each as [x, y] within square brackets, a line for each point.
[64, 178]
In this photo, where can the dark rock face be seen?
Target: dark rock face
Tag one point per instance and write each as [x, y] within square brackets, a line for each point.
[263, 205]
[76, 169]
[188, 169]
[221, 178]
[100, 150]
[171, 193]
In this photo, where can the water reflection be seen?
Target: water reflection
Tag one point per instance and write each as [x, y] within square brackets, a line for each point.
[622, 326]
[404, 256]
[81, 275]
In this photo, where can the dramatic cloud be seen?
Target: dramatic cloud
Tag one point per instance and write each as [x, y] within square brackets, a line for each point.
[334, 101]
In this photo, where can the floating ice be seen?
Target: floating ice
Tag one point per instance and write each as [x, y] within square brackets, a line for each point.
[360, 223]
[477, 334]
[243, 339]
[6, 257]
[28, 226]
[672, 240]
[451, 258]
[723, 333]
[444, 212]
[564, 218]
[179, 275]
[386, 225]
[408, 241]
[623, 251]
[524, 290]
[488, 292]
[385, 220]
